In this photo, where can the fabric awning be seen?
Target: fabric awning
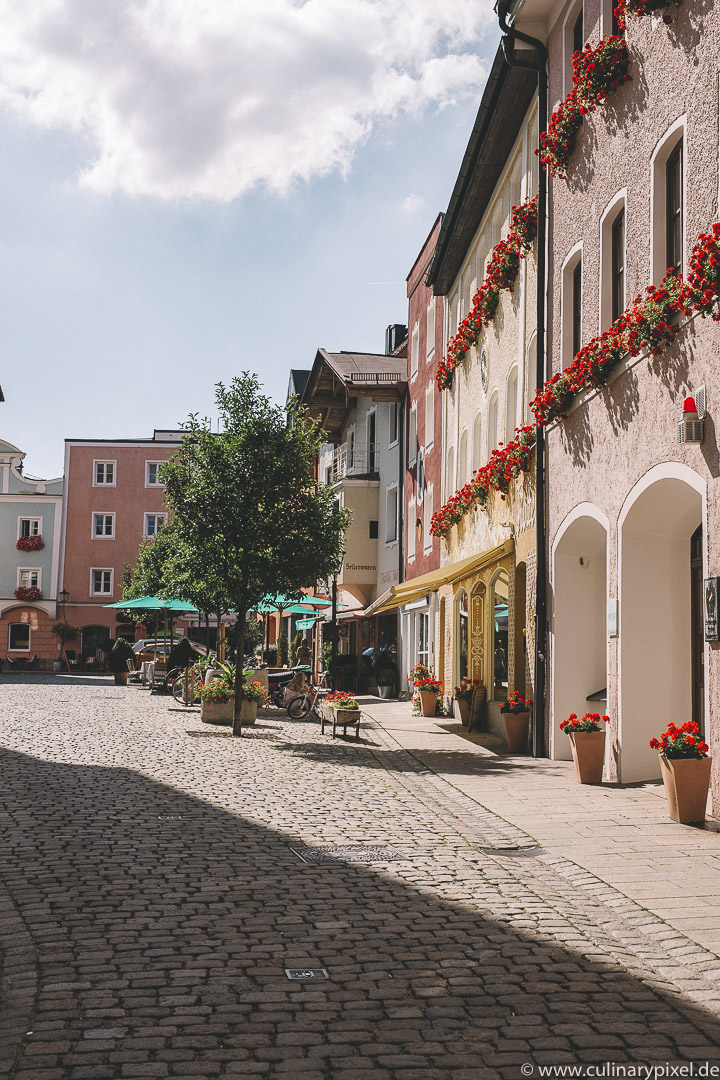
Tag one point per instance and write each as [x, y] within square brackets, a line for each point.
[414, 588]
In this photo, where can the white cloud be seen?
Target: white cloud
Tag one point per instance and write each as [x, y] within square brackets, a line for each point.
[211, 98]
[412, 203]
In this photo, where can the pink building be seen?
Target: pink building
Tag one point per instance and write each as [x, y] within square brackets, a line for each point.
[113, 499]
[633, 512]
[424, 452]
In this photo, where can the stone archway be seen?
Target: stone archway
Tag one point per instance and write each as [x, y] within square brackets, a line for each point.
[655, 666]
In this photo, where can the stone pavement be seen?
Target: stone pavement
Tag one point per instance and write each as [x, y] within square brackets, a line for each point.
[622, 835]
[151, 902]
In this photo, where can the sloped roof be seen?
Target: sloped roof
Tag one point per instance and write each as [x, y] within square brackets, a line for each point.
[336, 379]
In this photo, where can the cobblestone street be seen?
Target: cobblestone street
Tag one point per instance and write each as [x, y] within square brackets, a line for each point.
[151, 903]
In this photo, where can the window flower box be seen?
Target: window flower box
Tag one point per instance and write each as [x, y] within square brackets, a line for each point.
[30, 543]
[28, 592]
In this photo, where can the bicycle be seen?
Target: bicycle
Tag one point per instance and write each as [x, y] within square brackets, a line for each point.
[185, 683]
[303, 706]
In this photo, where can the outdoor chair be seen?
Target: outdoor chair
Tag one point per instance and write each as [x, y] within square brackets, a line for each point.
[71, 660]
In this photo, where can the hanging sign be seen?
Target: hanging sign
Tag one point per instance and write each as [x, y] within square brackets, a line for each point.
[305, 624]
[711, 593]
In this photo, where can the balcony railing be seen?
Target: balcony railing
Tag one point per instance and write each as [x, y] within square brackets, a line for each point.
[354, 459]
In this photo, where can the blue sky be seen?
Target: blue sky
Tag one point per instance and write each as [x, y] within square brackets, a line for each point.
[164, 226]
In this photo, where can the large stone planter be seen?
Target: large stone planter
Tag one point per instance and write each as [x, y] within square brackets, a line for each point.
[217, 712]
[428, 702]
[121, 678]
[248, 712]
[517, 728]
[686, 783]
[588, 750]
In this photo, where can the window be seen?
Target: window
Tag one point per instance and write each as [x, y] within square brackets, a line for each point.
[328, 475]
[430, 342]
[428, 512]
[394, 422]
[617, 266]
[530, 378]
[577, 32]
[29, 527]
[667, 235]
[463, 460]
[493, 424]
[674, 209]
[477, 443]
[411, 529]
[101, 582]
[511, 418]
[576, 338]
[29, 579]
[103, 526]
[151, 474]
[571, 305]
[391, 515]
[19, 637]
[450, 473]
[104, 473]
[430, 416]
[371, 443]
[412, 436]
[499, 611]
[351, 449]
[153, 523]
[374, 530]
[414, 351]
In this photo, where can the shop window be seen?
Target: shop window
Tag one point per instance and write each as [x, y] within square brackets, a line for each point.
[499, 614]
[463, 633]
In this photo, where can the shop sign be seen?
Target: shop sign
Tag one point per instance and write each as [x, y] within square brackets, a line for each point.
[710, 608]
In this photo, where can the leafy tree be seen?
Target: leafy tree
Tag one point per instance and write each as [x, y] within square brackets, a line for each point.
[282, 653]
[249, 518]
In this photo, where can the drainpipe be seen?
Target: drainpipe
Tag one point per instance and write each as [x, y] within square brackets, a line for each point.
[539, 64]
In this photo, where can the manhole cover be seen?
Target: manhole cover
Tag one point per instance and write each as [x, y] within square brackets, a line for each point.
[229, 735]
[329, 854]
[307, 973]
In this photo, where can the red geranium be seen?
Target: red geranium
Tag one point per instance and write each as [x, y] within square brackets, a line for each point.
[681, 742]
[589, 722]
[30, 543]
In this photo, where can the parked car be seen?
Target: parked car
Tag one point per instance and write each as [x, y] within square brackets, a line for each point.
[150, 643]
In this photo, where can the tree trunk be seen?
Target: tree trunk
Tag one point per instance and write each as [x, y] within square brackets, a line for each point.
[239, 669]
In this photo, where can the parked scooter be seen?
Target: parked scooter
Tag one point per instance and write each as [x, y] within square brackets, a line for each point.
[278, 682]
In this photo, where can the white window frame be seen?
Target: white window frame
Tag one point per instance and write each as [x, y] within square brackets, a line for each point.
[663, 149]
[412, 435]
[146, 534]
[414, 350]
[512, 386]
[607, 221]
[103, 514]
[105, 462]
[567, 34]
[462, 460]
[573, 257]
[428, 511]
[29, 570]
[147, 474]
[429, 417]
[14, 648]
[25, 517]
[450, 472]
[477, 445]
[396, 517]
[493, 419]
[411, 529]
[530, 377]
[430, 317]
[102, 570]
[394, 411]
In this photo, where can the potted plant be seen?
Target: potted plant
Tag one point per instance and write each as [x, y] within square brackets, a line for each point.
[121, 652]
[217, 702]
[516, 714]
[463, 695]
[427, 686]
[685, 768]
[385, 682]
[254, 694]
[63, 633]
[587, 740]
[344, 705]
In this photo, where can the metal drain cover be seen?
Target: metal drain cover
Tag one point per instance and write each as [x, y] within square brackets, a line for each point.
[338, 854]
[306, 973]
[229, 735]
[170, 817]
[513, 850]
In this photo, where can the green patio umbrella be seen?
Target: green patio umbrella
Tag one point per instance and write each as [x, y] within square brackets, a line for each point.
[156, 604]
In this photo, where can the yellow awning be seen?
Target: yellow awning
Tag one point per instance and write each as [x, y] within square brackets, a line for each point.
[416, 588]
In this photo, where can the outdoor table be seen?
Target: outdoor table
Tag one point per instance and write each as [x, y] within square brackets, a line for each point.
[147, 672]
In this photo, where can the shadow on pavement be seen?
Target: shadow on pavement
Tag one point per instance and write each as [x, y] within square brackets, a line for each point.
[162, 926]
